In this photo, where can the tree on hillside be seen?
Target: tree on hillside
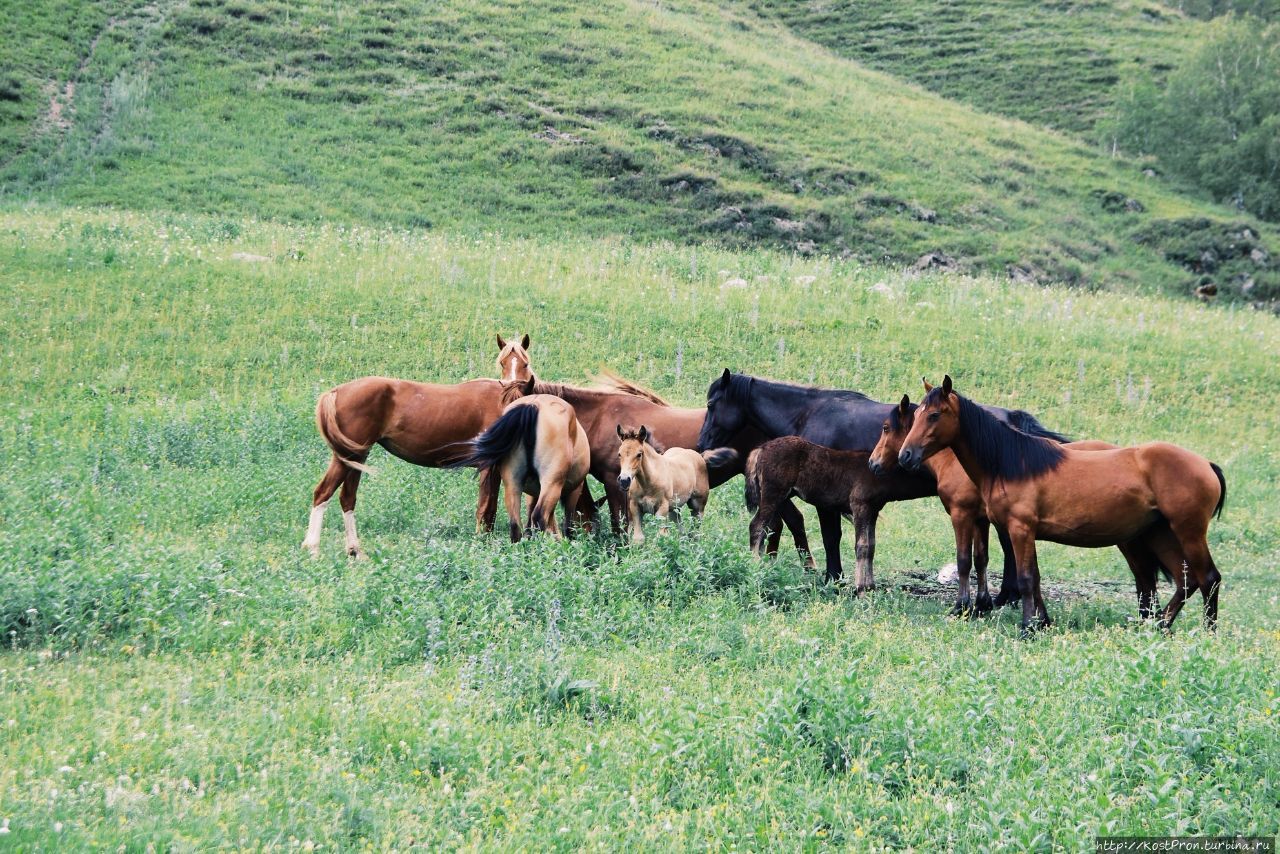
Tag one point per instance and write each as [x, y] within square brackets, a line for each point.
[1216, 121]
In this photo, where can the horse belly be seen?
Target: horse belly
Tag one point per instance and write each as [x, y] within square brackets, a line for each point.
[1098, 531]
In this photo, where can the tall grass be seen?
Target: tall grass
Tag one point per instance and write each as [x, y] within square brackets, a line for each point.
[177, 674]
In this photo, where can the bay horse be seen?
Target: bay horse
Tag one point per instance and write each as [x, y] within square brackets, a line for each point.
[964, 505]
[421, 423]
[832, 481]
[660, 482]
[539, 449]
[1157, 493]
[600, 410]
[834, 418]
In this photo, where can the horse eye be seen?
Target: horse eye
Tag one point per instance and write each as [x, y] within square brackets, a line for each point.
[884, 428]
[934, 417]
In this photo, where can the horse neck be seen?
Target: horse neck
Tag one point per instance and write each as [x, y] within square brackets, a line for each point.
[651, 465]
[779, 415]
[968, 460]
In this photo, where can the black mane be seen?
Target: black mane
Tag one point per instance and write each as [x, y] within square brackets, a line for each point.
[740, 389]
[1003, 451]
[895, 422]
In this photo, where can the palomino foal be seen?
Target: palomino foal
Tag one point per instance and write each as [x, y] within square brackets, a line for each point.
[660, 482]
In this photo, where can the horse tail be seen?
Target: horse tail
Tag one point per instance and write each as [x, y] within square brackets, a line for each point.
[1022, 420]
[517, 425]
[1222, 482]
[719, 457]
[751, 493]
[343, 446]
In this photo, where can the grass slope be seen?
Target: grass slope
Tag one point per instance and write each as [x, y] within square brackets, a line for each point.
[175, 672]
[684, 121]
[1051, 64]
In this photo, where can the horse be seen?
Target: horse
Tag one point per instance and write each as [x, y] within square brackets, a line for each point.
[423, 423]
[513, 359]
[832, 481]
[659, 481]
[968, 513]
[538, 448]
[1157, 493]
[620, 401]
[843, 420]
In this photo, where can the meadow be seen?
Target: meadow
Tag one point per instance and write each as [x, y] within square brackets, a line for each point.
[177, 673]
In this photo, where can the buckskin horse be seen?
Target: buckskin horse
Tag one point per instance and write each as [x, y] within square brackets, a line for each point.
[538, 448]
[1158, 493]
[843, 420]
[422, 423]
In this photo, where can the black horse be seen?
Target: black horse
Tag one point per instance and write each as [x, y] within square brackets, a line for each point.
[846, 421]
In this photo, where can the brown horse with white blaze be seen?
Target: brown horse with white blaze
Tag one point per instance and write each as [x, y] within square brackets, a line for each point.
[422, 423]
[538, 448]
[1158, 494]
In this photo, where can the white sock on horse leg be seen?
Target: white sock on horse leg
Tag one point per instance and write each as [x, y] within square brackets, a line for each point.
[349, 521]
[312, 540]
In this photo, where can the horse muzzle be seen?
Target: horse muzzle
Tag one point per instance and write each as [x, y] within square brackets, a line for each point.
[624, 483]
[910, 459]
[875, 467]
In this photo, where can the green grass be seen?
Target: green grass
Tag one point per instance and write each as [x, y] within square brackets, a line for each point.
[177, 674]
[1051, 64]
[688, 121]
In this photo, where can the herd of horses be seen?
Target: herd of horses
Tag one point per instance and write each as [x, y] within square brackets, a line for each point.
[840, 451]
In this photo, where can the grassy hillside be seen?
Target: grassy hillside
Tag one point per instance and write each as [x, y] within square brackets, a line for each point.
[176, 673]
[1052, 64]
[681, 121]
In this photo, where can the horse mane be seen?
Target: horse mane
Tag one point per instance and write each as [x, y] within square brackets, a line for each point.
[1003, 451]
[895, 423]
[634, 433]
[609, 381]
[740, 387]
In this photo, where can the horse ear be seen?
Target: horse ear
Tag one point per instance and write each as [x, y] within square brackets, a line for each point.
[724, 378]
[928, 387]
[620, 434]
[904, 405]
[946, 384]
[644, 433]
[524, 342]
[501, 343]
[528, 385]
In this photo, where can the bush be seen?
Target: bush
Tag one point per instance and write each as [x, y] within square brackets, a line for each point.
[1217, 119]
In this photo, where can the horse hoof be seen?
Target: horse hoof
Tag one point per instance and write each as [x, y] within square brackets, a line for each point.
[960, 609]
[356, 554]
[983, 605]
[312, 551]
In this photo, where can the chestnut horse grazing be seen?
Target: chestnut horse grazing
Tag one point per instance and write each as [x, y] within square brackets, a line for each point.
[832, 481]
[1159, 494]
[422, 423]
[963, 503]
[661, 482]
[539, 448]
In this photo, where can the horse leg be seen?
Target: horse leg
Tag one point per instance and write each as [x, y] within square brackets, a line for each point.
[794, 520]
[763, 524]
[981, 533]
[544, 511]
[348, 502]
[665, 514]
[619, 504]
[1144, 565]
[1009, 593]
[1200, 565]
[320, 501]
[1034, 614]
[831, 534]
[585, 509]
[864, 531]
[487, 500]
[512, 495]
[571, 499]
[635, 520]
[962, 526]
